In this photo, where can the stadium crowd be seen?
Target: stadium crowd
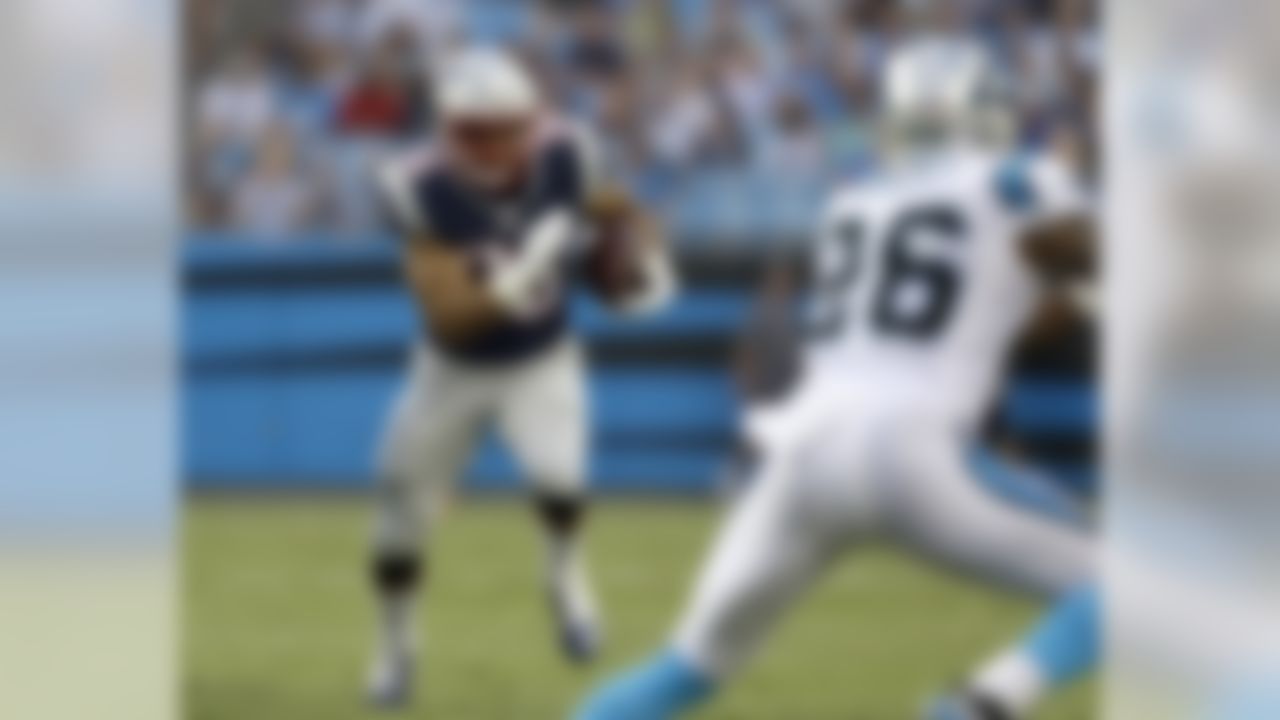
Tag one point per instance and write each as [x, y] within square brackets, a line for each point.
[701, 104]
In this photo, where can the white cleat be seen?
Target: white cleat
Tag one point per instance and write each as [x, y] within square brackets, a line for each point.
[578, 621]
[390, 683]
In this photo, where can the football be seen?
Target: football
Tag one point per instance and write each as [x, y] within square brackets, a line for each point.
[612, 260]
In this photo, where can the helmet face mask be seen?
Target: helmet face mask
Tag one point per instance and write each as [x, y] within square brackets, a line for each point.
[493, 151]
[944, 94]
[921, 130]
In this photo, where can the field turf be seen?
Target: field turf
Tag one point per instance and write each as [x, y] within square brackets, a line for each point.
[278, 620]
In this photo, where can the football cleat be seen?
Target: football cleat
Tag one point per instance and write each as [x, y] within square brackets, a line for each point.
[966, 706]
[390, 683]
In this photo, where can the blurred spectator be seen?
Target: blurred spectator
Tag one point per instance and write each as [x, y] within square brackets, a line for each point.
[868, 31]
[1076, 23]
[595, 49]
[797, 149]
[386, 98]
[747, 89]
[434, 26]
[616, 115]
[690, 125]
[810, 72]
[237, 102]
[312, 83]
[330, 23]
[683, 93]
[276, 197]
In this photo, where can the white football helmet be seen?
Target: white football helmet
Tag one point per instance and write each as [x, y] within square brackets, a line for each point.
[484, 83]
[488, 107]
[944, 91]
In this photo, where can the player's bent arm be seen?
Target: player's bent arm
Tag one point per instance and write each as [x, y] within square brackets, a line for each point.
[1058, 226]
[464, 293]
[630, 267]
[633, 267]
[442, 279]
[1062, 250]
[1064, 253]
[448, 285]
[656, 284]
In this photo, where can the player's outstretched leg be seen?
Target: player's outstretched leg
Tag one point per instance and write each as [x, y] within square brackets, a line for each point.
[543, 418]
[568, 587]
[973, 512]
[397, 571]
[430, 433]
[1062, 647]
[766, 555]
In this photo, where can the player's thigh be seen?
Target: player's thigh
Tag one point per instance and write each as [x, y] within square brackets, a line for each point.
[432, 426]
[543, 419]
[947, 510]
[430, 432]
[765, 555]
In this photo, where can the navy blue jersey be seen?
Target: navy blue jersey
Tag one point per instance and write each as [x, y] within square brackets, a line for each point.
[437, 203]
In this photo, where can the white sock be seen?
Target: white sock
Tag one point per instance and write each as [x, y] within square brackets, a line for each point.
[562, 554]
[1012, 679]
[567, 572]
[399, 623]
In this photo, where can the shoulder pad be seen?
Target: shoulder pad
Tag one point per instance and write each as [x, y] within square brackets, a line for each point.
[396, 180]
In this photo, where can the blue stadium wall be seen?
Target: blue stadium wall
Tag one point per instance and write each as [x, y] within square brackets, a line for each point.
[291, 354]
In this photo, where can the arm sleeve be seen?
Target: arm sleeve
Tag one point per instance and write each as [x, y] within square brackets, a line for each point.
[1039, 189]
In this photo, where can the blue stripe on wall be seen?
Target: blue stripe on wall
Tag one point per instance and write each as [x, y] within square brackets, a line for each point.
[256, 426]
[328, 426]
[243, 323]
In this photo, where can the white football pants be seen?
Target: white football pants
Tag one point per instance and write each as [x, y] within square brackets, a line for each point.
[839, 467]
[538, 407]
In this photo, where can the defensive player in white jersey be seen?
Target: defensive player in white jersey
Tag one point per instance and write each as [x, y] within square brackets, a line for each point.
[497, 213]
[923, 279]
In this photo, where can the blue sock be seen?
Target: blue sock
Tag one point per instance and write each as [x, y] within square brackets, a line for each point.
[660, 689]
[1067, 641]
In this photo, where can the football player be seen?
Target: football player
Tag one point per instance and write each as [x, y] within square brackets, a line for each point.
[924, 277]
[498, 213]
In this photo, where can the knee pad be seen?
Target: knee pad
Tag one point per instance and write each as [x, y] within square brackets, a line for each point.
[562, 513]
[397, 571]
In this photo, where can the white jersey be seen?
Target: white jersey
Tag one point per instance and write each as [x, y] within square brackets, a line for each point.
[921, 285]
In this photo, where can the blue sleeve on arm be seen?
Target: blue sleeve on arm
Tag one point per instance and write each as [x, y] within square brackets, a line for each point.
[1015, 187]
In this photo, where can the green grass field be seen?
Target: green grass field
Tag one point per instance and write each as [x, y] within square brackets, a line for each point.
[278, 619]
